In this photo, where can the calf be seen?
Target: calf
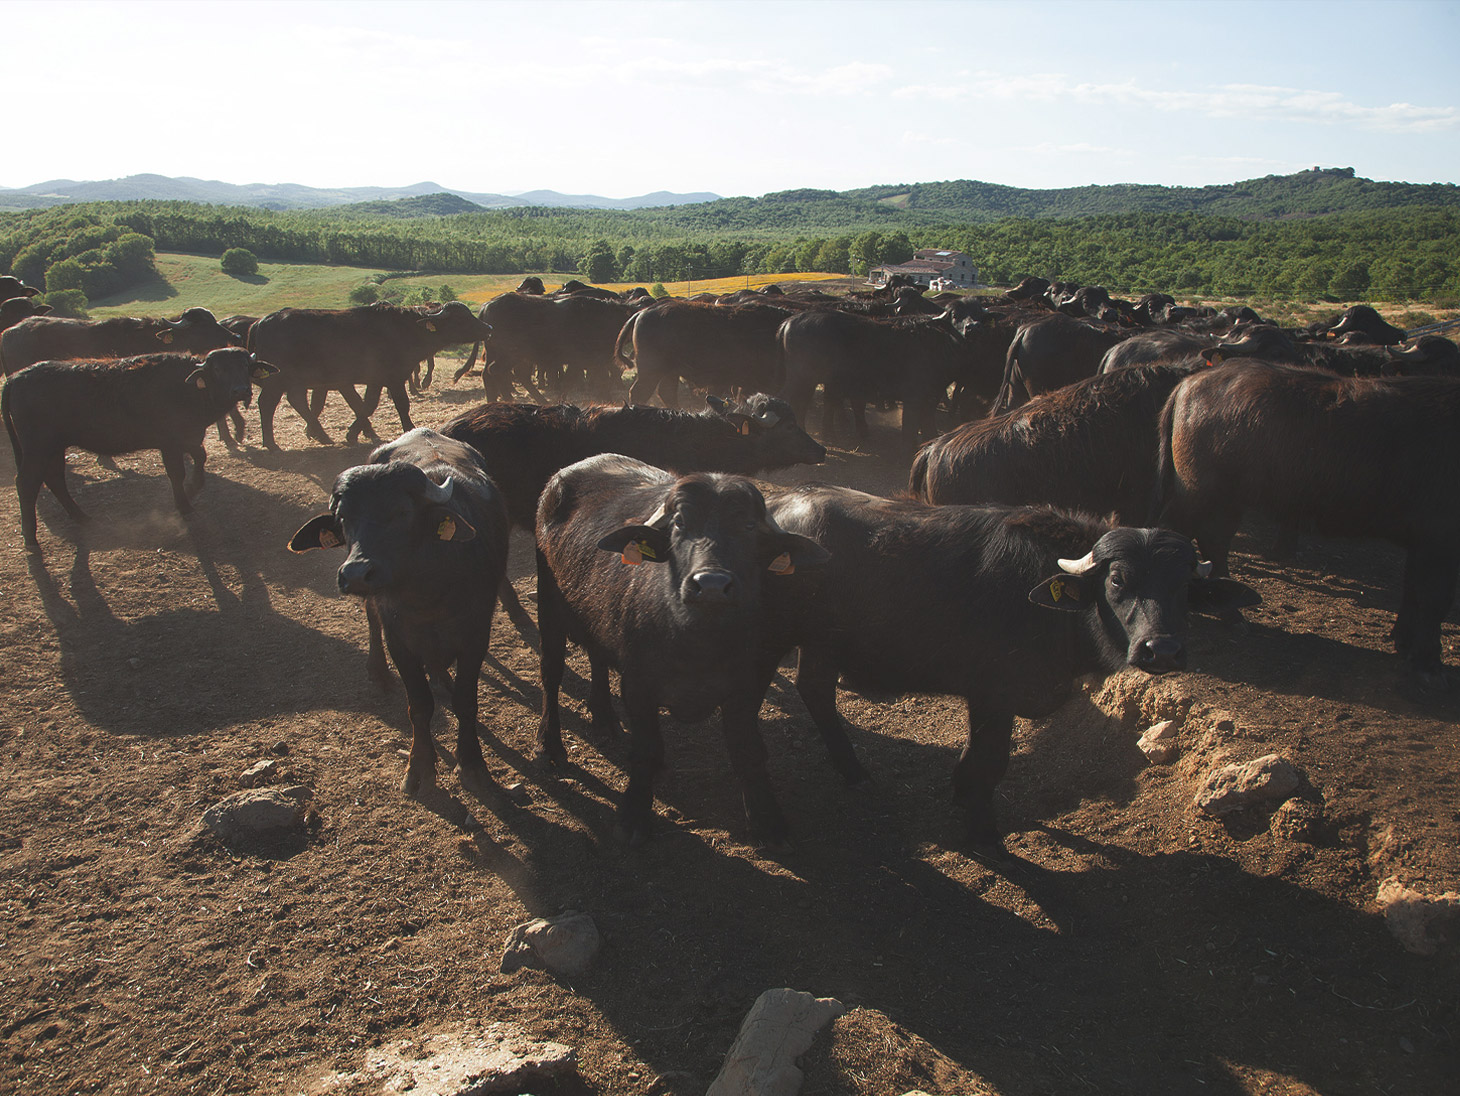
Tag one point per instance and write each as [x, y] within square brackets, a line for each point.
[426, 533]
[667, 579]
[1087, 446]
[52, 338]
[1002, 606]
[157, 401]
[1347, 456]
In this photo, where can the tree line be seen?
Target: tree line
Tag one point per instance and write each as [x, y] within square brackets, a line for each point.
[1410, 253]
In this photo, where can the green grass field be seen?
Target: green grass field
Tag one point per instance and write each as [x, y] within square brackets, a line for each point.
[190, 280]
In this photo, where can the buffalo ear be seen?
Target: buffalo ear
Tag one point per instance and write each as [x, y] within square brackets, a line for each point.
[796, 553]
[262, 371]
[322, 531]
[638, 544]
[1066, 592]
[449, 525]
[1221, 593]
[40, 309]
[744, 424]
[197, 377]
[165, 336]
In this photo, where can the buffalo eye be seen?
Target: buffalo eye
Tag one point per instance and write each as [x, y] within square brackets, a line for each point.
[1117, 580]
[679, 521]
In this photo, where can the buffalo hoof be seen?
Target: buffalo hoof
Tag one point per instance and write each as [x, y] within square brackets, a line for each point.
[315, 435]
[419, 778]
[476, 781]
[631, 832]
[1433, 679]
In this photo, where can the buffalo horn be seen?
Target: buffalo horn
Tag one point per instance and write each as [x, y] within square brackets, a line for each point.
[768, 419]
[1204, 569]
[1078, 566]
[438, 492]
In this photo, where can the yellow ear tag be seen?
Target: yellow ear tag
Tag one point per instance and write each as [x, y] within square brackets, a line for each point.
[782, 565]
[1216, 358]
[327, 539]
[201, 382]
[1056, 588]
[430, 326]
[166, 336]
[745, 428]
[633, 553]
[447, 529]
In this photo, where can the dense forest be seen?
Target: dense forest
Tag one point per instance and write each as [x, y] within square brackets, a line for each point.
[1354, 240]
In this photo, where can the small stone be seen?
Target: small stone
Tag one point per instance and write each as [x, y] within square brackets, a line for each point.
[1239, 786]
[565, 944]
[1297, 820]
[778, 1029]
[260, 813]
[1421, 922]
[519, 793]
[258, 773]
[135, 663]
[280, 748]
[1159, 743]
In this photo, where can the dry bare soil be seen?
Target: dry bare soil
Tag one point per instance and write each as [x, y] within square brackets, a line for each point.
[1128, 945]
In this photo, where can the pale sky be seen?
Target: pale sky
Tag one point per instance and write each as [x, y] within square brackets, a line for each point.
[737, 98]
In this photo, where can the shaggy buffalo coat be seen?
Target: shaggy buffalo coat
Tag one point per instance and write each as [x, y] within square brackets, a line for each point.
[1051, 352]
[666, 579]
[962, 600]
[426, 534]
[1088, 446]
[1347, 456]
[53, 338]
[157, 401]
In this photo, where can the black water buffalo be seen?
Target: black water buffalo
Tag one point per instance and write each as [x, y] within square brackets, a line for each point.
[157, 401]
[11, 287]
[15, 309]
[1347, 456]
[1091, 446]
[523, 445]
[377, 346]
[1002, 606]
[550, 334]
[426, 531]
[864, 360]
[1428, 354]
[1364, 320]
[1050, 352]
[667, 579]
[52, 338]
[710, 346]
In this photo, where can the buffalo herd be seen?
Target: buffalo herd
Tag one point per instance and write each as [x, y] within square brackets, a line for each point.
[1079, 466]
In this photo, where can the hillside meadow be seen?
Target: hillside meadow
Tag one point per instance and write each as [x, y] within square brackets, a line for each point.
[186, 281]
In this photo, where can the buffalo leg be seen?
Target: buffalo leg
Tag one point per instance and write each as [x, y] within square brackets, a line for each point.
[55, 477]
[816, 677]
[740, 721]
[512, 606]
[430, 370]
[600, 699]
[28, 488]
[646, 758]
[1429, 591]
[553, 637]
[269, 397]
[471, 767]
[1213, 532]
[172, 464]
[362, 409]
[980, 767]
[375, 665]
[195, 482]
[421, 769]
[300, 400]
[402, 401]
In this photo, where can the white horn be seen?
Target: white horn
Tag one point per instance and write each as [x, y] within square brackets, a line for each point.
[439, 493]
[1078, 566]
[770, 418]
[1204, 569]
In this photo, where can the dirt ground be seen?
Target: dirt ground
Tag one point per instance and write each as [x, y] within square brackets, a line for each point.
[1129, 945]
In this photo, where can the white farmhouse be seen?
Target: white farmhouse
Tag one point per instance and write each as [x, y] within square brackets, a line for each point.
[953, 269]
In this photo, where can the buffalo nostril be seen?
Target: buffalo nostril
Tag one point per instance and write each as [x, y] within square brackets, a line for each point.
[1162, 653]
[357, 578]
[711, 587]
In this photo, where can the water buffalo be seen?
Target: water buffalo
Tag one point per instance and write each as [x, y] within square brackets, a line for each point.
[1003, 606]
[1091, 446]
[667, 579]
[11, 287]
[426, 533]
[52, 338]
[157, 401]
[378, 346]
[1050, 352]
[1347, 456]
[710, 346]
[15, 309]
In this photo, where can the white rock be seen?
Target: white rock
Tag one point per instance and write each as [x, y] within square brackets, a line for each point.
[1239, 786]
[778, 1029]
[566, 944]
[1420, 922]
[1159, 743]
[462, 1062]
[259, 773]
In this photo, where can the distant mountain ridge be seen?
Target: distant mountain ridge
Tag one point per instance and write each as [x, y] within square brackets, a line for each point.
[295, 196]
